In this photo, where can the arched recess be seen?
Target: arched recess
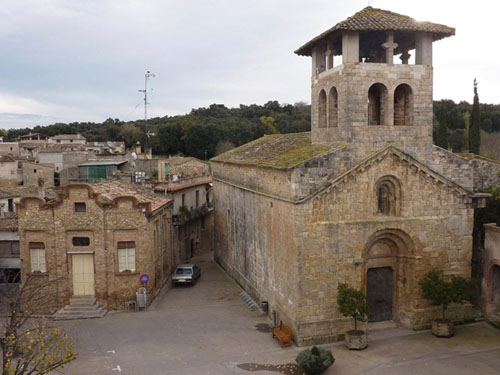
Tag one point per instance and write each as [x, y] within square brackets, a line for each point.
[403, 105]
[333, 108]
[388, 196]
[322, 109]
[377, 104]
[389, 274]
[493, 277]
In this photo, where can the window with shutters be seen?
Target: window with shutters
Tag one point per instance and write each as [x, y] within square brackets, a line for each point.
[37, 255]
[126, 256]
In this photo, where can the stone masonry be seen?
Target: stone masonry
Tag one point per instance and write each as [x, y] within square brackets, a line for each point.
[114, 213]
[365, 192]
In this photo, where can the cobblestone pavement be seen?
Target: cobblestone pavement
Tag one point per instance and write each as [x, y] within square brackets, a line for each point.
[206, 329]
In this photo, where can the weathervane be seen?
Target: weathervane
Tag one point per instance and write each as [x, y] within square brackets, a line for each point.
[147, 77]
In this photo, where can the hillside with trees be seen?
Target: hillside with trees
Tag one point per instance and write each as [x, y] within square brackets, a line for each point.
[206, 132]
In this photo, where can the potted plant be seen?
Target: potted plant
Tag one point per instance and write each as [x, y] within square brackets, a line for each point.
[441, 293]
[352, 302]
[315, 360]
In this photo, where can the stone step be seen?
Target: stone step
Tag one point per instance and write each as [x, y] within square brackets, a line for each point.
[60, 315]
[90, 300]
[249, 301]
[81, 308]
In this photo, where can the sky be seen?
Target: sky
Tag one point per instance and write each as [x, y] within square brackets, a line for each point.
[73, 60]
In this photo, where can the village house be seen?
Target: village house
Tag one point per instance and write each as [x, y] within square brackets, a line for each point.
[364, 198]
[95, 240]
[490, 282]
[68, 139]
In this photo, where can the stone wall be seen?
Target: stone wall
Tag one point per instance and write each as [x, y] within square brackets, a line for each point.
[486, 173]
[254, 243]
[490, 282]
[352, 82]
[293, 255]
[55, 224]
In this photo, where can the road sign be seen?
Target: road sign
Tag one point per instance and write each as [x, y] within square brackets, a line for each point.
[144, 278]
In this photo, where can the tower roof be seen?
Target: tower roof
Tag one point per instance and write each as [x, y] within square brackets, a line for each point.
[372, 19]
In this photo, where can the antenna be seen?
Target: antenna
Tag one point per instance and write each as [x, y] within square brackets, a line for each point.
[147, 77]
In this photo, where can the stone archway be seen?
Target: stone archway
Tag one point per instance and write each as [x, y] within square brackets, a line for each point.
[389, 274]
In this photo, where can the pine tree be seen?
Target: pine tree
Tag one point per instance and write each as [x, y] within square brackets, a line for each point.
[475, 132]
[442, 137]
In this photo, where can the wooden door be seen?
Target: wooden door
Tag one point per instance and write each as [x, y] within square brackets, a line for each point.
[379, 293]
[83, 274]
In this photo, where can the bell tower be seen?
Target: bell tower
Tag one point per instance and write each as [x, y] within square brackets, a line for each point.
[377, 95]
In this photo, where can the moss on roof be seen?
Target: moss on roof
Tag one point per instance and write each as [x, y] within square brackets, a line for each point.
[373, 19]
[280, 151]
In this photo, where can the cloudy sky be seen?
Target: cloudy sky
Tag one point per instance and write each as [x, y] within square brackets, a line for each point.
[73, 60]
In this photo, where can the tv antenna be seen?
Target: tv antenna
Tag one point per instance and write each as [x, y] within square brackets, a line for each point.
[147, 77]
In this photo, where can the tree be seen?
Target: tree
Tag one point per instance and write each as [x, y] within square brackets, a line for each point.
[269, 122]
[352, 302]
[441, 293]
[475, 127]
[29, 345]
[442, 138]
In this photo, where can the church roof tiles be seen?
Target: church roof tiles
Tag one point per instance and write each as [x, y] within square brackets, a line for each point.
[280, 151]
[373, 19]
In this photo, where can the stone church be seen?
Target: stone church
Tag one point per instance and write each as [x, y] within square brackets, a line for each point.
[364, 198]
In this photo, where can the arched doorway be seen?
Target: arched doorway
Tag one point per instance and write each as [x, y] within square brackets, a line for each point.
[495, 285]
[389, 274]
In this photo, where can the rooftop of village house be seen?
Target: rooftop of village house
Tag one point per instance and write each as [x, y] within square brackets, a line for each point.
[373, 19]
[280, 151]
[62, 147]
[19, 191]
[8, 225]
[112, 189]
[68, 136]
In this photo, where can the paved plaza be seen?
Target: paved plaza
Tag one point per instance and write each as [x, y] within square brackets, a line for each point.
[206, 329]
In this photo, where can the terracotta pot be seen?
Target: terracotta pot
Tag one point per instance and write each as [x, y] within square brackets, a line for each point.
[442, 328]
[356, 340]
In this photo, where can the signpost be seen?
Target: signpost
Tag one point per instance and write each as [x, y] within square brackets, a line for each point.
[144, 279]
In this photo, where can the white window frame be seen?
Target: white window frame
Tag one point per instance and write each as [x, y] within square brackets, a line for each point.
[38, 263]
[126, 259]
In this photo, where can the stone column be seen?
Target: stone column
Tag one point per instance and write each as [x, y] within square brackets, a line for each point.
[329, 55]
[389, 47]
[423, 49]
[350, 47]
[405, 57]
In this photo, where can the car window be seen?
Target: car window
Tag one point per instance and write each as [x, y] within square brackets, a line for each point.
[184, 271]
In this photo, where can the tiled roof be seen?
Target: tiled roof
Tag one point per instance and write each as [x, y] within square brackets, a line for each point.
[68, 136]
[65, 147]
[112, 189]
[8, 224]
[20, 191]
[280, 151]
[372, 19]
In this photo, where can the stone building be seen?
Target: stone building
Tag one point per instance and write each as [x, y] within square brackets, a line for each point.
[96, 240]
[491, 273]
[364, 198]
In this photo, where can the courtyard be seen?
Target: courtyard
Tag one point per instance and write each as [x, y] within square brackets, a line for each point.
[207, 329]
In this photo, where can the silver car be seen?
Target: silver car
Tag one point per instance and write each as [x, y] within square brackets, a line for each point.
[186, 274]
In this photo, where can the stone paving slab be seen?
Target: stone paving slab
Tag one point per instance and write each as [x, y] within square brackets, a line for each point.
[207, 329]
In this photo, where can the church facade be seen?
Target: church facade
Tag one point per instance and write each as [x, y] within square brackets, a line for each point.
[364, 198]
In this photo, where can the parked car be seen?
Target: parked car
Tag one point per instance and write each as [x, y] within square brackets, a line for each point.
[186, 274]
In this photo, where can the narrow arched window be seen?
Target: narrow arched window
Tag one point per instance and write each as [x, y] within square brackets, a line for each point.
[403, 105]
[322, 109]
[332, 108]
[388, 196]
[377, 104]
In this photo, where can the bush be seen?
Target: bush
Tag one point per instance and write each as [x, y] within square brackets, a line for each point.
[352, 302]
[315, 360]
[441, 293]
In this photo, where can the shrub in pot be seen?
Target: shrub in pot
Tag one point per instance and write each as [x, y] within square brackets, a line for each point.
[352, 302]
[315, 360]
[440, 292]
